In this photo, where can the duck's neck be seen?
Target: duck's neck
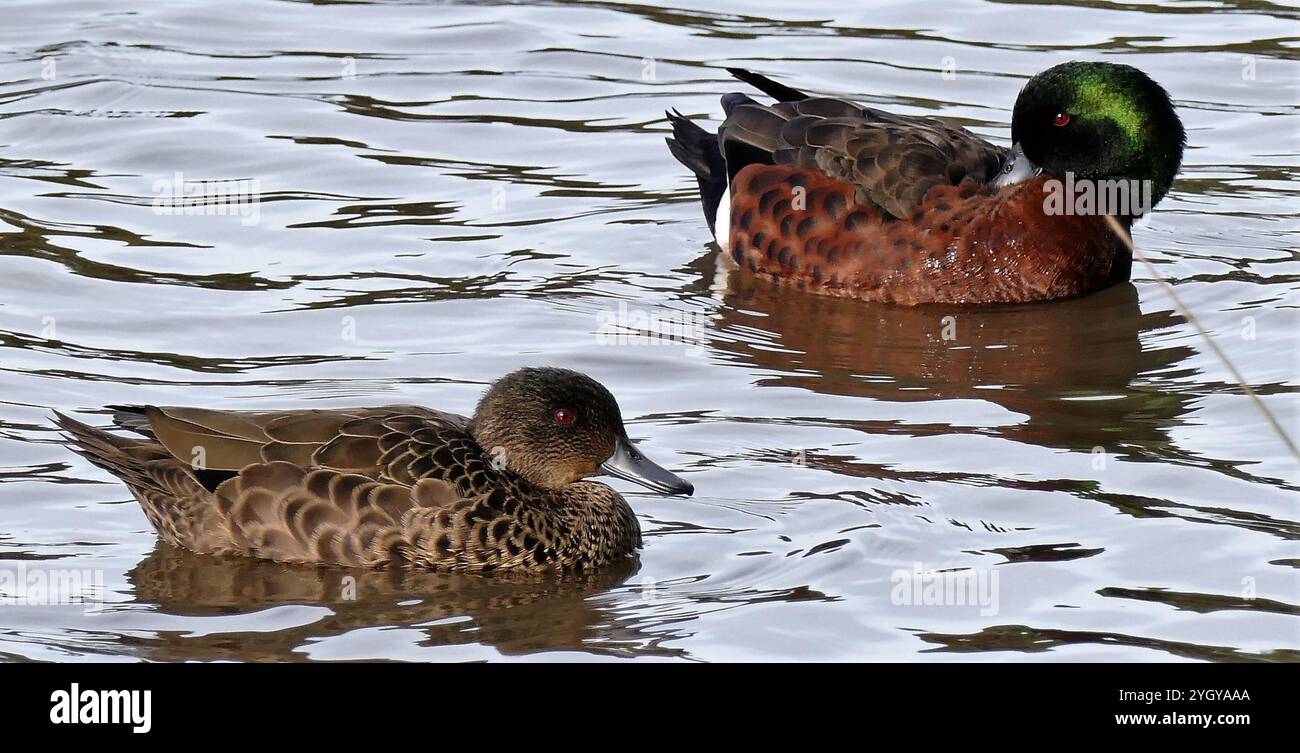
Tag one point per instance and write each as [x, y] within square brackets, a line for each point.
[503, 450]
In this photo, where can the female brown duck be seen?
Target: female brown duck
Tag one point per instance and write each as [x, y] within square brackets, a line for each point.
[847, 200]
[400, 486]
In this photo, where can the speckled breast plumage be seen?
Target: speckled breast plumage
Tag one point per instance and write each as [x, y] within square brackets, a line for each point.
[961, 244]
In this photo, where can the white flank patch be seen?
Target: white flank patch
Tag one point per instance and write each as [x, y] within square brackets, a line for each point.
[722, 223]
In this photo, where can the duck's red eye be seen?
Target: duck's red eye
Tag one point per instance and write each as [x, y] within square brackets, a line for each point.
[564, 416]
[1061, 119]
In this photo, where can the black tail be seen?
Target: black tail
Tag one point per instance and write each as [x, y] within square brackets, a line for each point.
[779, 92]
[698, 149]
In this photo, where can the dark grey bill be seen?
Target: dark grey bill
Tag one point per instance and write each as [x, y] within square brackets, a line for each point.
[629, 464]
[1016, 168]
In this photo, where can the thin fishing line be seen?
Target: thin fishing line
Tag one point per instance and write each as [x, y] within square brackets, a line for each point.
[1196, 324]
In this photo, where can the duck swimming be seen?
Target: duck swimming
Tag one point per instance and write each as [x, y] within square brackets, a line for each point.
[398, 486]
[833, 197]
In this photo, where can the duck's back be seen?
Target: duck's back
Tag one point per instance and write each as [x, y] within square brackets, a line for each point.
[891, 161]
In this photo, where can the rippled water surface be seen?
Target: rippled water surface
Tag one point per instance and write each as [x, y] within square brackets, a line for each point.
[450, 191]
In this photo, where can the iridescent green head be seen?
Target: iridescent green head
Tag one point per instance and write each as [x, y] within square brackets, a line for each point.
[1099, 121]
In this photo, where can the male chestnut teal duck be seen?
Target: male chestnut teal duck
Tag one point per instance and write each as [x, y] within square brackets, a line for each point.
[398, 486]
[833, 197]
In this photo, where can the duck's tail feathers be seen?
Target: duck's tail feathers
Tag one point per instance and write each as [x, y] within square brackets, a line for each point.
[172, 493]
[698, 150]
[123, 457]
[132, 418]
[776, 90]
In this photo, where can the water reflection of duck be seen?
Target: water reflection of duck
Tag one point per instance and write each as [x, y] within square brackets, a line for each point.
[1040, 360]
[519, 614]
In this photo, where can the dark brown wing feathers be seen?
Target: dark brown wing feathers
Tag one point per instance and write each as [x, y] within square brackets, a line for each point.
[227, 440]
[891, 161]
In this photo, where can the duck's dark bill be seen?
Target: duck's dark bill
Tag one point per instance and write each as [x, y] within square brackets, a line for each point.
[1016, 168]
[629, 464]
